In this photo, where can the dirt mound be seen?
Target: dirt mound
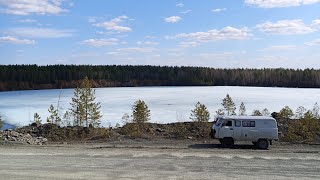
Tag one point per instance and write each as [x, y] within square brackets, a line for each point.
[56, 133]
[183, 130]
[180, 130]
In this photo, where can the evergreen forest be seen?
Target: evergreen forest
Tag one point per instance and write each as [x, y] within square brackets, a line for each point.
[26, 77]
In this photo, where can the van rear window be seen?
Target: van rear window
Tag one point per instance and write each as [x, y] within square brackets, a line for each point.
[248, 123]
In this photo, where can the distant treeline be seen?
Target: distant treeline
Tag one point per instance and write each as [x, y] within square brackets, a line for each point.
[23, 77]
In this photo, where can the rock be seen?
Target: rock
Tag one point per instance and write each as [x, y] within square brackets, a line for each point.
[13, 136]
[189, 137]
[160, 130]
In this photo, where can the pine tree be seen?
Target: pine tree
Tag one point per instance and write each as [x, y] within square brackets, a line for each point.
[84, 109]
[256, 113]
[66, 118]
[284, 117]
[229, 106]
[53, 118]
[95, 115]
[37, 119]
[305, 129]
[77, 110]
[220, 112]
[265, 112]
[286, 112]
[308, 115]
[300, 112]
[126, 118]
[242, 110]
[140, 112]
[316, 111]
[140, 115]
[200, 113]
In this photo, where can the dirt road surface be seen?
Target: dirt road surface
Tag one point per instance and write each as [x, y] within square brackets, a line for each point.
[154, 160]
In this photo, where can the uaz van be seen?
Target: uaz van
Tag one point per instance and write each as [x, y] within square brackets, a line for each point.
[260, 130]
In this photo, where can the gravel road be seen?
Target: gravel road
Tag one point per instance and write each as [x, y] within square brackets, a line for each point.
[156, 160]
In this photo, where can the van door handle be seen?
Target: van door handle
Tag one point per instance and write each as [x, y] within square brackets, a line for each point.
[231, 128]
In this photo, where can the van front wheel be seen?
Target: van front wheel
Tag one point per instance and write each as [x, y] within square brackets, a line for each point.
[263, 144]
[228, 142]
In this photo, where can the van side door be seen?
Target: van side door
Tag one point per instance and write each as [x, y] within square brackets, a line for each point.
[226, 129]
[249, 130]
[237, 131]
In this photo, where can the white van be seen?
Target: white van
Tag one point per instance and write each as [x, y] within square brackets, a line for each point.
[260, 130]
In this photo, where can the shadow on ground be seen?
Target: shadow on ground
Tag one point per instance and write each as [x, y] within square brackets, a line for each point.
[219, 146]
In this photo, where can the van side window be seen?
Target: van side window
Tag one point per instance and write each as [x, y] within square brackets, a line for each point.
[248, 123]
[237, 123]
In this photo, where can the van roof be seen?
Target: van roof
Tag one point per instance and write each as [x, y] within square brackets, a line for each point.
[247, 117]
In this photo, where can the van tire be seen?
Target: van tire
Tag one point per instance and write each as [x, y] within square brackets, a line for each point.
[227, 142]
[262, 144]
[221, 141]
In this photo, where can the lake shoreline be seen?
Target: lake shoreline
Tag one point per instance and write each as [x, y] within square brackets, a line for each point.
[97, 86]
[167, 103]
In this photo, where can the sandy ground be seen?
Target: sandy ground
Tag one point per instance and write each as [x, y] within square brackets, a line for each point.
[159, 160]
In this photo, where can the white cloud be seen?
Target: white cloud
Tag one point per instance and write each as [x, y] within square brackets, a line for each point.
[27, 7]
[316, 23]
[137, 49]
[172, 19]
[285, 27]
[27, 20]
[186, 12]
[315, 42]
[101, 42]
[147, 43]
[150, 37]
[188, 44]
[279, 3]
[14, 40]
[218, 10]
[279, 48]
[113, 53]
[41, 32]
[226, 33]
[180, 5]
[114, 24]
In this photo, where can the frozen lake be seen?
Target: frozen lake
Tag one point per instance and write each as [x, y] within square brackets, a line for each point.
[167, 104]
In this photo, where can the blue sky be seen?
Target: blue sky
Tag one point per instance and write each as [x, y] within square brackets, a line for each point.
[211, 33]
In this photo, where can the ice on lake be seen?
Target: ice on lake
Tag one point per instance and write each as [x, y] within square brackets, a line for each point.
[167, 104]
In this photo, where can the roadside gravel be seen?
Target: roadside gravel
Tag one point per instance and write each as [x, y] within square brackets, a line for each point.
[164, 159]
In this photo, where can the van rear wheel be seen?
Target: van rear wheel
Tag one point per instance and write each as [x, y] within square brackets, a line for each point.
[263, 144]
[228, 142]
